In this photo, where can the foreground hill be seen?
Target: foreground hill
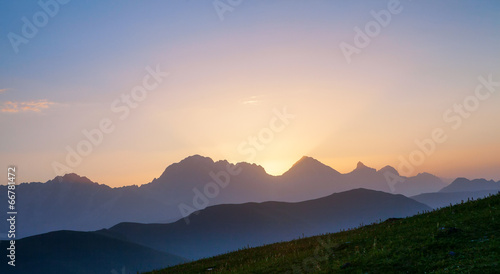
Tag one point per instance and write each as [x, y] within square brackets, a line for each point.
[458, 239]
[82, 252]
[222, 228]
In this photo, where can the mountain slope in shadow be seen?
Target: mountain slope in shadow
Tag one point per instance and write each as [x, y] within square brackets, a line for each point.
[222, 228]
[83, 252]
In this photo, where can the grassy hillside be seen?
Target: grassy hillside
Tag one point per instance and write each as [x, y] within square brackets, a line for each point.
[459, 239]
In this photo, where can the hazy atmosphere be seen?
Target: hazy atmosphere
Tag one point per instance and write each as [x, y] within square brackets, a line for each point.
[250, 136]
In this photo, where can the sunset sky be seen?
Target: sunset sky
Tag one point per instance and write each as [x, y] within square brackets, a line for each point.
[228, 76]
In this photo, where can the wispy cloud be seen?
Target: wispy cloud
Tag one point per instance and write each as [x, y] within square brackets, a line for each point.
[3, 90]
[35, 106]
[252, 100]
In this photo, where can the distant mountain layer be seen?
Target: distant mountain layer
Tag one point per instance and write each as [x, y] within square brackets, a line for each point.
[72, 202]
[460, 239]
[222, 228]
[442, 199]
[460, 190]
[83, 252]
[463, 184]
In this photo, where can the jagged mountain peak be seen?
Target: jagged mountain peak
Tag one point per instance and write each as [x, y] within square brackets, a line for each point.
[308, 164]
[360, 167]
[426, 175]
[306, 160]
[250, 166]
[197, 160]
[72, 178]
[389, 169]
[189, 164]
[464, 184]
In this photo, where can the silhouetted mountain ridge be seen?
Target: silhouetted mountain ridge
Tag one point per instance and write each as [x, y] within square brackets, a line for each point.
[464, 184]
[74, 202]
[309, 165]
[360, 167]
[442, 199]
[388, 169]
[221, 228]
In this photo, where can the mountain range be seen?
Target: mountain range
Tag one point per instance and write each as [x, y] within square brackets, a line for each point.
[222, 228]
[463, 184]
[73, 202]
[211, 231]
[200, 208]
[458, 191]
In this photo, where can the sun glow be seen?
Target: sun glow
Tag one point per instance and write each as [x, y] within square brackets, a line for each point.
[276, 167]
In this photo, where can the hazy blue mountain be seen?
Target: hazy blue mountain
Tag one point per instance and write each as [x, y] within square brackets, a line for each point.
[366, 177]
[221, 228]
[306, 178]
[72, 202]
[421, 183]
[442, 199]
[463, 184]
[83, 252]
[177, 182]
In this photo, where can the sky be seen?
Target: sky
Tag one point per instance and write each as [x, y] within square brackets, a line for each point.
[411, 84]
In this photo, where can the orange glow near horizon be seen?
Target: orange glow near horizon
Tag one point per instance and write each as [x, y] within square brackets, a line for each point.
[450, 170]
[227, 79]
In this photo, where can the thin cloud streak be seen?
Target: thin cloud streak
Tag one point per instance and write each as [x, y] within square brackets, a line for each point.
[35, 106]
[253, 100]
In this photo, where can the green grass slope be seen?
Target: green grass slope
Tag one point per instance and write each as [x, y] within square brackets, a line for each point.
[464, 238]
